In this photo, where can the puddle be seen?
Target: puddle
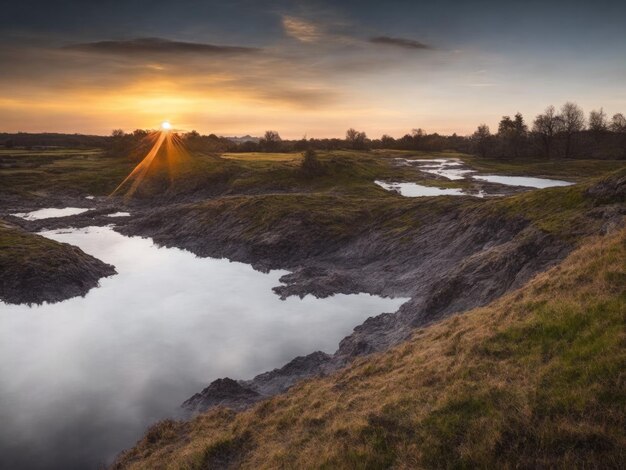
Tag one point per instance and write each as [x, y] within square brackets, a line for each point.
[526, 181]
[50, 213]
[418, 190]
[454, 169]
[450, 168]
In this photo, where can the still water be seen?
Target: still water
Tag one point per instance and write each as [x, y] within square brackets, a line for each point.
[454, 169]
[81, 379]
[419, 190]
[49, 213]
[526, 181]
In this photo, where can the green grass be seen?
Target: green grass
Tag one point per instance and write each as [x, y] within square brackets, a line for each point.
[570, 169]
[19, 247]
[32, 174]
[76, 171]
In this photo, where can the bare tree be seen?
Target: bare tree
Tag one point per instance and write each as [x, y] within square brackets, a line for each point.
[481, 139]
[271, 141]
[618, 123]
[356, 140]
[598, 121]
[547, 125]
[573, 119]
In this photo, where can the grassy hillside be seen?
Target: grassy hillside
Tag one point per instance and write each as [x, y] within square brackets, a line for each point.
[535, 379]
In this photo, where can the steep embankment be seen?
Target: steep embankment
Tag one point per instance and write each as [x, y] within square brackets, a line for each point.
[34, 269]
[447, 254]
[534, 379]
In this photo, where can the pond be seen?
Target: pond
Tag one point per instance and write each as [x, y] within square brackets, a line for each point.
[83, 378]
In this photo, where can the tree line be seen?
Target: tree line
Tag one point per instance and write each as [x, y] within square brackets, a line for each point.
[563, 133]
[555, 133]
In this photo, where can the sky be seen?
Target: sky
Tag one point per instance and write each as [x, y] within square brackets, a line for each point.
[304, 68]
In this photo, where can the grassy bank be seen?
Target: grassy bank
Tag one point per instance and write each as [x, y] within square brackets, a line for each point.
[34, 269]
[534, 379]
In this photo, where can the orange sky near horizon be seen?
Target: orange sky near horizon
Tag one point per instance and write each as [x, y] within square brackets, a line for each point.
[315, 70]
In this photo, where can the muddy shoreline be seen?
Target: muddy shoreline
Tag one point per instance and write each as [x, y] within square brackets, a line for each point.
[453, 260]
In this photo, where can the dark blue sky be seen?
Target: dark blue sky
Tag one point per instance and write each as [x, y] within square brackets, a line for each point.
[441, 65]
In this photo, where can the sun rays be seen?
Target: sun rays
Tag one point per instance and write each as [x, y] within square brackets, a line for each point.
[168, 152]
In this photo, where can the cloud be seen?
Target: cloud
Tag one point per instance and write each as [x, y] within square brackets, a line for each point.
[399, 42]
[161, 46]
[301, 30]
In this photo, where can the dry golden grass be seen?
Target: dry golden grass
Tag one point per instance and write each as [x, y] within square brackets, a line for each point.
[535, 379]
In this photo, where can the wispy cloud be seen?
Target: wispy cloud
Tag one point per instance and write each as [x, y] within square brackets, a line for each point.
[143, 46]
[301, 30]
[400, 42]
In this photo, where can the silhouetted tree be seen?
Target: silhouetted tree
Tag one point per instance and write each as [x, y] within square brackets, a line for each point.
[387, 142]
[573, 119]
[618, 123]
[140, 133]
[271, 141]
[512, 134]
[356, 140]
[598, 121]
[546, 126]
[482, 140]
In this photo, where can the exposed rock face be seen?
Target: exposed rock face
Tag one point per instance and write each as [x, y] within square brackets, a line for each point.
[242, 393]
[223, 391]
[34, 269]
[453, 262]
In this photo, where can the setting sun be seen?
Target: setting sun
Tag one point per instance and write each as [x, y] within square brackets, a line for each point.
[166, 126]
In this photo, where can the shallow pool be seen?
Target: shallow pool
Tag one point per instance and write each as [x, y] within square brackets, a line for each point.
[526, 181]
[81, 379]
[418, 190]
[49, 213]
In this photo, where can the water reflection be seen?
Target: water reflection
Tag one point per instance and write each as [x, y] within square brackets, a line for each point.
[418, 190]
[526, 181]
[49, 213]
[454, 169]
[82, 378]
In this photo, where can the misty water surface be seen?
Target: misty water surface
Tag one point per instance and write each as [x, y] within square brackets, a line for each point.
[81, 379]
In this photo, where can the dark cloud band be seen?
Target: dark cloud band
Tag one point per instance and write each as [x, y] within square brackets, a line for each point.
[399, 42]
[159, 46]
